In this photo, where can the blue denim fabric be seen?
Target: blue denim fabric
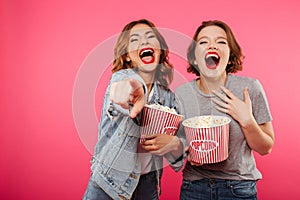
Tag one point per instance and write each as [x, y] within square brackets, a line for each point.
[145, 190]
[216, 189]
[94, 192]
[118, 172]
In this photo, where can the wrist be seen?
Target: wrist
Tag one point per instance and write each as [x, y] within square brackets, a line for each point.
[247, 122]
[177, 146]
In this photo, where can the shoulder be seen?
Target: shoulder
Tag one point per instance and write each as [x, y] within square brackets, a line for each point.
[185, 87]
[241, 79]
[126, 73]
[238, 83]
[235, 80]
[164, 95]
[122, 72]
[164, 90]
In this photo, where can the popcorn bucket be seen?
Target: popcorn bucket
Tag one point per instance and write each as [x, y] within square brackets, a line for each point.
[207, 137]
[157, 120]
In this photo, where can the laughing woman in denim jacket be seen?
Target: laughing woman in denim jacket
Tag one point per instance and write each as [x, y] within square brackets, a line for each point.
[121, 167]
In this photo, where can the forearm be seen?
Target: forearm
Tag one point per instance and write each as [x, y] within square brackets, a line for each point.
[260, 138]
[177, 147]
[175, 157]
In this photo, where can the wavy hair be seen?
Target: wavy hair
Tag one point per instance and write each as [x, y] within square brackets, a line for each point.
[164, 72]
[236, 56]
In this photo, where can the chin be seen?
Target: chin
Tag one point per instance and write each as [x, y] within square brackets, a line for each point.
[212, 74]
[148, 68]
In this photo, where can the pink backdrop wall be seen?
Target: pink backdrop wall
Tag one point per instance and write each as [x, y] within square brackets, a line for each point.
[46, 47]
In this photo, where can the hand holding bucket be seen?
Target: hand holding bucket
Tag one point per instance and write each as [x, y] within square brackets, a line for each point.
[159, 121]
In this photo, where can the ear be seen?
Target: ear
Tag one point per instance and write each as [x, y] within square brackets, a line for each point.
[128, 58]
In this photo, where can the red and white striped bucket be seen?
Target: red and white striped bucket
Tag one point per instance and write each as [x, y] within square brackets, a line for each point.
[156, 121]
[207, 144]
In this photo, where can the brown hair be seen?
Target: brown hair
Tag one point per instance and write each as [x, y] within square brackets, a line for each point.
[164, 72]
[236, 56]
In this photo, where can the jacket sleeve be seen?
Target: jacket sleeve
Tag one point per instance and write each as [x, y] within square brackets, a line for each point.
[115, 109]
[177, 162]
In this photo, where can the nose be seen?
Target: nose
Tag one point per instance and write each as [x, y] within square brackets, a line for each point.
[213, 46]
[144, 40]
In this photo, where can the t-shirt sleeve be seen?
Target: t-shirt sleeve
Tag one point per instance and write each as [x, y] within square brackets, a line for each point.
[260, 106]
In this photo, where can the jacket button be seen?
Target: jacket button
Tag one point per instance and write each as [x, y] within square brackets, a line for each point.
[133, 176]
[122, 197]
[92, 160]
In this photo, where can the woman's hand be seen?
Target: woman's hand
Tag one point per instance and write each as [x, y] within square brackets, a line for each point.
[240, 110]
[161, 144]
[128, 91]
[189, 158]
[260, 137]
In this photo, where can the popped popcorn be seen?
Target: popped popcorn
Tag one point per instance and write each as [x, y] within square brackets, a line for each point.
[162, 108]
[206, 121]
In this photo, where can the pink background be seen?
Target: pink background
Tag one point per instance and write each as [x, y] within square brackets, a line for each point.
[45, 47]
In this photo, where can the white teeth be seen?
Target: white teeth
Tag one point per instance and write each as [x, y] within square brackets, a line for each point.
[146, 51]
[212, 55]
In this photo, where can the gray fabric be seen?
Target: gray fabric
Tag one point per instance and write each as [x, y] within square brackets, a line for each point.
[240, 164]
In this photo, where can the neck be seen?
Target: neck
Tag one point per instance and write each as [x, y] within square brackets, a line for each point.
[149, 87]
[206, 85]
[148, 78]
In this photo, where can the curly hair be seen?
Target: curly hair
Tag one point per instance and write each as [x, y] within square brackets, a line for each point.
[236, 56]
[164, 72]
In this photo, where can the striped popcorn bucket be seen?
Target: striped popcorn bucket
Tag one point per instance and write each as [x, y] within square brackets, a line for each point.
[156, 121]
[207, 144]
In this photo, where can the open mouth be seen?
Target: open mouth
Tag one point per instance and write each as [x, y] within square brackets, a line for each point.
[212, 60]
[147, 55]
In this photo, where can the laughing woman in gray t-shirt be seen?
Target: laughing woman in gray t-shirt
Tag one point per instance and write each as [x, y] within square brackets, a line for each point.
[213, 56]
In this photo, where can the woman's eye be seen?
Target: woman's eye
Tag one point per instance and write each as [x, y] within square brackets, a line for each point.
[151, 36]
[222, 42]
[133, 40]
[202, 42]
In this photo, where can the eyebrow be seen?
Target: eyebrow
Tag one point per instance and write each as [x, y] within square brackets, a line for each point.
[205, 37]
[148, 32]
[133, 35]
[136, 35]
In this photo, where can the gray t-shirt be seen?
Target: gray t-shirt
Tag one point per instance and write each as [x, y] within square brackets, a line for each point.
[240, 164]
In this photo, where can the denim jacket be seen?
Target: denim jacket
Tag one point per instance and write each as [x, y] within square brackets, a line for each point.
[115, 165]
